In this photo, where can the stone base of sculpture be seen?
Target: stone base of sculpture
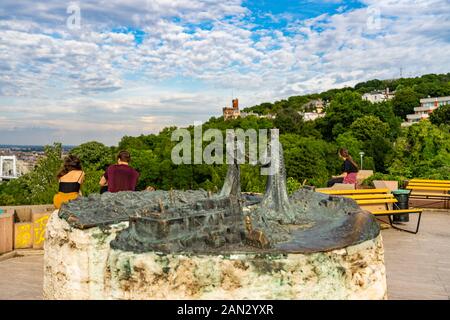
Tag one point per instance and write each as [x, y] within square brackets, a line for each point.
[80, 264]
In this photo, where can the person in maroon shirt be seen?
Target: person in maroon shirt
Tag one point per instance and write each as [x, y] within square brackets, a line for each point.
[120, 176]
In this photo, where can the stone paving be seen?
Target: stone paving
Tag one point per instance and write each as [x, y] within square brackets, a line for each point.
[21, 278]
[418, 266]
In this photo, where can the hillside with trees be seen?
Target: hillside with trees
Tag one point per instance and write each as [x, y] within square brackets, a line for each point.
[310, 147]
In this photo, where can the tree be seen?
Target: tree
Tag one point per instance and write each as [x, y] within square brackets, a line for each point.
[343, 110]
[405, 101]
[147, 164]
[374, 134]
[441, 115]
[41, 184]
[365, 128]
[385, 112]
[308, 158]
[95, 158]
[288, 121]
[93, 155]
[422, 151]
[348, 141]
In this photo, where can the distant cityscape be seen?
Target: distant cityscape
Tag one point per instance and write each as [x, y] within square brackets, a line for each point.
[17, 160]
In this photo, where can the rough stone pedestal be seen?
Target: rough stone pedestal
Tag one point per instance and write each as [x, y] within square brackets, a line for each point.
[79, 264]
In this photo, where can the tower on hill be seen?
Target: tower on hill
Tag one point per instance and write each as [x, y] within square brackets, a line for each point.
[233, 112]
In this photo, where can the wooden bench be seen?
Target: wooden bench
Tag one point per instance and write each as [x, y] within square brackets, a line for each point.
[378, 202]
[430, 189]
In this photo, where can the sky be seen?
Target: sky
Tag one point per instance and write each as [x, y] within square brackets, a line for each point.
[79, 71]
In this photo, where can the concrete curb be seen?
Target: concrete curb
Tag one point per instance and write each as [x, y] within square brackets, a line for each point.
[20, 253]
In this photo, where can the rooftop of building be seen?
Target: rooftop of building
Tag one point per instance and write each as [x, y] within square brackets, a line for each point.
[433, 99]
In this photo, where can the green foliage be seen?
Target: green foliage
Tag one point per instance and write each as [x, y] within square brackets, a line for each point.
[42, 180]
[93, 155]
[342, 112]
[348, 141]
[385, 177]
[95, 158]
[6, 199]
[385, 112]
[40, 185]
[292, 185]
[309, 159]
[422, 151]
[251, 179]
[147, 164]
[404, 102]
[15, 192]
[374, 135]
[441, 115]
[288, 121]
[366, 127]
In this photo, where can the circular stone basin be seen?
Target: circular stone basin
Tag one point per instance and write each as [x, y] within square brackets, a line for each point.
[333, 251]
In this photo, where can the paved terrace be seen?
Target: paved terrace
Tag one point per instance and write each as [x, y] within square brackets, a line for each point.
[418, 266]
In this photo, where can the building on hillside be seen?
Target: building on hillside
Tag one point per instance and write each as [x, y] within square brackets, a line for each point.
[313, 110]
[311, 116]
[315, 106]
[379, 96]
[260, 116]
[249, 114]
[427, 106]
[233, 112]
[267, 116]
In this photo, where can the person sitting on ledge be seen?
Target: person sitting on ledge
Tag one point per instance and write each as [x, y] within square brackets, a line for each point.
[70, 178]
[120, 176]
[104, 188]
[349, 169]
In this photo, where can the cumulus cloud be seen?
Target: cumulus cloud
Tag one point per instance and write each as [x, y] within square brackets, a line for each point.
[140, 65]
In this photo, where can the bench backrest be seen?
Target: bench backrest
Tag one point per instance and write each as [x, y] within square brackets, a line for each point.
[431, 186]
[429, 181]
[380, 196]
[353, 192]
[443, 188]
[367, 199]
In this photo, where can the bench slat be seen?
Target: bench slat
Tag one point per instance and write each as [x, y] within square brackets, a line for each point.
[369, 196]
[434, 185]
[352, 192]
[429, 181]
[431, 195]
[385, 212]
[428, 188]
[376, 201]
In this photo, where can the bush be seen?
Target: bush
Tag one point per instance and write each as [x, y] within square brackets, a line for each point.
[292, 185]
[385, 177]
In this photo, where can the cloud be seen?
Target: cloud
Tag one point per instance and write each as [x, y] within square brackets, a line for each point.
[191, 55]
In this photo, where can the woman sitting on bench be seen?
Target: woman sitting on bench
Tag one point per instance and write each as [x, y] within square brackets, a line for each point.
[349, 169]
